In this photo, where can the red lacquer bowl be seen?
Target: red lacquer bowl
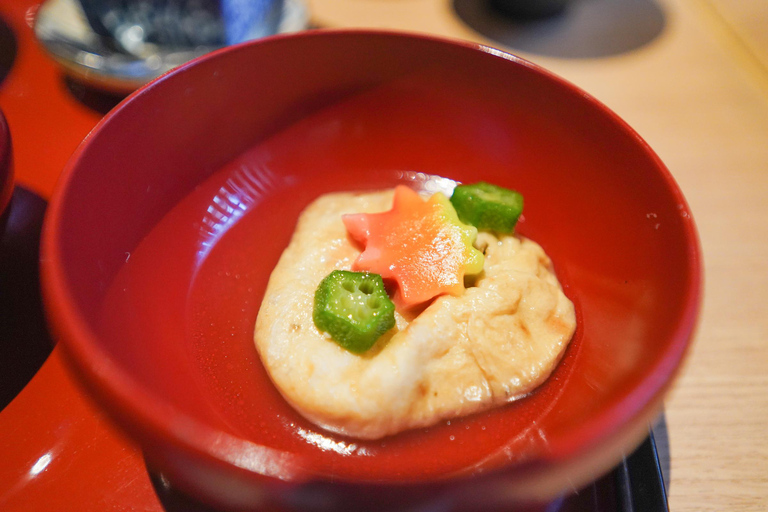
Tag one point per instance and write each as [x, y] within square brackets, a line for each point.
[6, 170]
[169, 218]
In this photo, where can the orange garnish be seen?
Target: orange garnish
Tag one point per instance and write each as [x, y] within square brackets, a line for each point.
[419, 244]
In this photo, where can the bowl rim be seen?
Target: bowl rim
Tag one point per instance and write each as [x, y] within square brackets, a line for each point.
[133, 404]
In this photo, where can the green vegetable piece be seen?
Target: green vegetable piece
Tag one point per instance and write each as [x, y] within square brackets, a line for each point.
[488, 207]
[353, 307]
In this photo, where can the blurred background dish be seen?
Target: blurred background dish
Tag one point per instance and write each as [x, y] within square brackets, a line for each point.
[119, 45]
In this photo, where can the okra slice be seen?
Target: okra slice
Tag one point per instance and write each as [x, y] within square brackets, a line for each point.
[353, 307]
[488, 207]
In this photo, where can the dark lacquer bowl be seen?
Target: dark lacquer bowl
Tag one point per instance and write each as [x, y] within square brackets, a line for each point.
[6, 171]
[169, 218]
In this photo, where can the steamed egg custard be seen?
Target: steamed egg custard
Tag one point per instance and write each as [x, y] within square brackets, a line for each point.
[484, 332]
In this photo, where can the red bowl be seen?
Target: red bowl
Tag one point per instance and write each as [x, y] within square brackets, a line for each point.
[168, 219]
[6, 171]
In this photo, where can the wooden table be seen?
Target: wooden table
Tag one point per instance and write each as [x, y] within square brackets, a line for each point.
[696, 90]
[698, 93]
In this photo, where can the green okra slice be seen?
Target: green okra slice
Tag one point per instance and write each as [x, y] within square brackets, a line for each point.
[353, 308]
[488, 207]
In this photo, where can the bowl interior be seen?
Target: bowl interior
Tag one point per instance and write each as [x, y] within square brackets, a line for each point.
[169, 219]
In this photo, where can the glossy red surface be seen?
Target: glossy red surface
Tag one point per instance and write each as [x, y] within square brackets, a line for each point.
[58, 450]
[205, 172]
[40, 102]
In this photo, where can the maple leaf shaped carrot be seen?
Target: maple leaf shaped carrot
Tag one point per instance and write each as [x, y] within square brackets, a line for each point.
[420, 244]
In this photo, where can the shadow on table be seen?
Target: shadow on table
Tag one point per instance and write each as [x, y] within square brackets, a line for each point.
[24, 340]
[91, 97]
[584, 29]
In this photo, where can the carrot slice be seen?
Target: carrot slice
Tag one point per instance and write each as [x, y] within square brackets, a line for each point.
[419, 244]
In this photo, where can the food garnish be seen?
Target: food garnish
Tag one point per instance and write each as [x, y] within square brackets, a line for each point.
[353, 308]
[419, 244]
[488, 207]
